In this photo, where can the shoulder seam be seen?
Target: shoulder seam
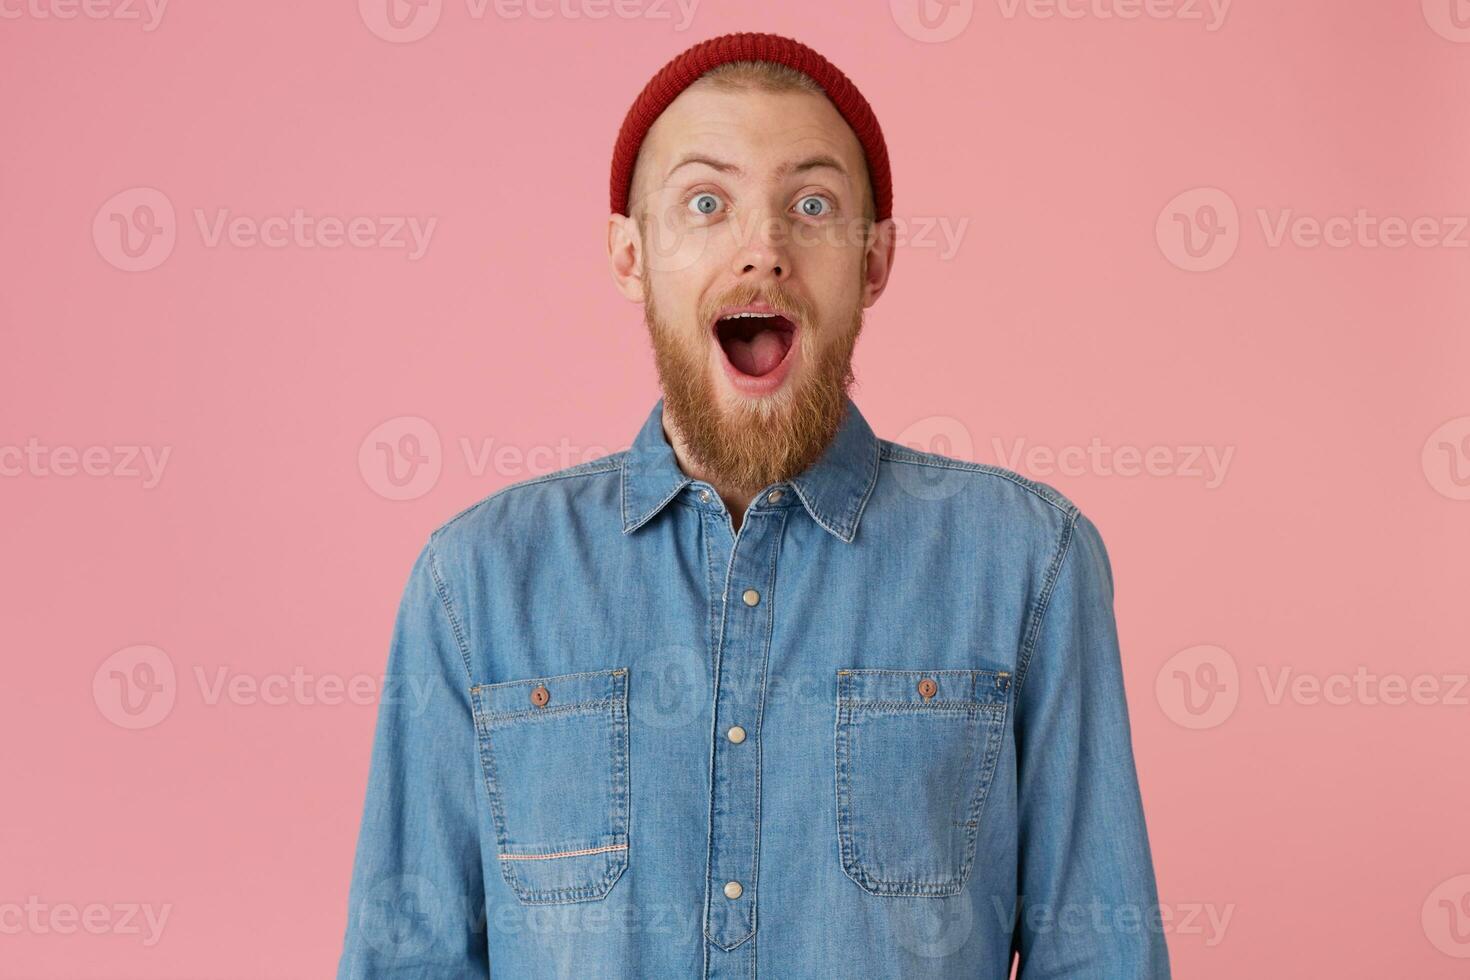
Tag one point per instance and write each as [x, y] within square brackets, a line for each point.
[1028, 644]
[605, 464]
[442, 589]
[897, 453]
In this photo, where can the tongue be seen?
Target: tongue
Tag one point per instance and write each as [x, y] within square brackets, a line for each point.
[758, 355]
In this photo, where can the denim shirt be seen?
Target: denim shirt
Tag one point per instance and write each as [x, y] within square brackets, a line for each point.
[880, 731]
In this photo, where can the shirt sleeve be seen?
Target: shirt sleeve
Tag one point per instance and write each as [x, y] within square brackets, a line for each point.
[416, 903]
[1088, 903]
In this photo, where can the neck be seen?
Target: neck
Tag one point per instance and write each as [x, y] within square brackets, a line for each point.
[736, 499]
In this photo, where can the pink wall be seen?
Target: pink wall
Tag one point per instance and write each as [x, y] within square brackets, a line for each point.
[182, 425]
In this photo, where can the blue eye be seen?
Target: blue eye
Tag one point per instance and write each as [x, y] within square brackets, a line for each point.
[704, 203]
[812, 205]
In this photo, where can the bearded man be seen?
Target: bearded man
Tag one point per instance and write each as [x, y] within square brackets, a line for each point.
[764, 695]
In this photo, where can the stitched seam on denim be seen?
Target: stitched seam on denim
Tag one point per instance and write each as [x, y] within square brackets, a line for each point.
[924, 673]
[714, 735]
[620, 806]
[592, 467]
[629, 525]
[778, 534]
[608, 672]
[708, 528]
[571, 893]
[846, 528]
[973, 676]
[942, 707]
[895, 453]
[987, 780]
[847, 713]
[488, 774]
[1028, 646]
[568, 894]
[713, 739]
[522, 714]
[563, 854]
[442, 590]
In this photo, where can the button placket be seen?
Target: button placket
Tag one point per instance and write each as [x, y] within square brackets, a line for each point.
[746, 610]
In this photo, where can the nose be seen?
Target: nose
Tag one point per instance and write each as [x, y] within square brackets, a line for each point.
[764, 251]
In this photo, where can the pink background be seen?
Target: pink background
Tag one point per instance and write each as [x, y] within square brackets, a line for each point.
[1329, 838]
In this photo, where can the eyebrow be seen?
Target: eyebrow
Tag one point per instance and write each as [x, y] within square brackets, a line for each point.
[817, 162]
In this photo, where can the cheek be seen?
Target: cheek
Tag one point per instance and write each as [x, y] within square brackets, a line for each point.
[674, 299]
[673, 244]
[836, 285]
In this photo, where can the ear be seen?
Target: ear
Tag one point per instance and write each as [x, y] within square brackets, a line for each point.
[878, 262]
[625, 256]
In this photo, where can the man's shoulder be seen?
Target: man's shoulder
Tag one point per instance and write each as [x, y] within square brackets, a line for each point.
[936, 476]
[525, 504]
[993, 503]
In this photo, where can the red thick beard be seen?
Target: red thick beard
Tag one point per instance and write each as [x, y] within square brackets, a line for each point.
[762, 440]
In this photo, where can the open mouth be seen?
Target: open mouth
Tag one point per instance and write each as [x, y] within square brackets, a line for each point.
[755, 343]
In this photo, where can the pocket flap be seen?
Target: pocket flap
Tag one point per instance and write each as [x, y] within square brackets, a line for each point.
[905, 687]
[588, 688]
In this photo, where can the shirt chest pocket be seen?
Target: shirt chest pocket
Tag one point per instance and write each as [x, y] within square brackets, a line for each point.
[915, 756]
[554, 751]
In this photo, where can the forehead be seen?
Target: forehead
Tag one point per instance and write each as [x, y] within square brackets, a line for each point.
[751, 128]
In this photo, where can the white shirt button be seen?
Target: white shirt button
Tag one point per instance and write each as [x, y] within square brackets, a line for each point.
[774, 496]
[735, 734]
[704, 495]
[733, 889]
[751, 597]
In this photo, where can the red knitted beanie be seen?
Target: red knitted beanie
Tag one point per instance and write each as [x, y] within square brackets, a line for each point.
[680, 73]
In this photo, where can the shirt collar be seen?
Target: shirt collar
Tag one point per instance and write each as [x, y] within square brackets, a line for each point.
[834, 489]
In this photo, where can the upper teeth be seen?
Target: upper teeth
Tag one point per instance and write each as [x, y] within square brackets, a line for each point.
[736, 316]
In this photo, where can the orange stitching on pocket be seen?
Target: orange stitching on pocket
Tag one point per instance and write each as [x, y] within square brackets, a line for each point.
[563, 854]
